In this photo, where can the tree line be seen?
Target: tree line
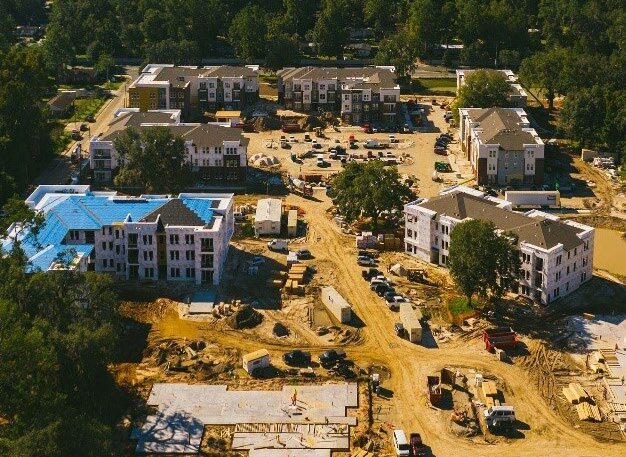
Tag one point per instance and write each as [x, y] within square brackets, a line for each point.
[58, 333]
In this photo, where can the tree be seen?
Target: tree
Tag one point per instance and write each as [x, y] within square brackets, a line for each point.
[105, 64]
[247, 33]
[369, 189]
[483, 89]
[482, 261]
[330, 31]
[583, 116]
[153, 160]
[380, 14]
[398, 50]
[545, 70]
[282, 51]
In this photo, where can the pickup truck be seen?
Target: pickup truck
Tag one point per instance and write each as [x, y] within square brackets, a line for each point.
[365, 261]
[370, 273]
[393, 303]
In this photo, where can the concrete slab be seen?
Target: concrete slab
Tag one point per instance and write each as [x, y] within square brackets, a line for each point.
[202, 302]
[316, 419]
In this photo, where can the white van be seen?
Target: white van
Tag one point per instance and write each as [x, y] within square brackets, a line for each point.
[278, 245]
[400, 444]
[320, 160]
[499, 415]
[371, 144]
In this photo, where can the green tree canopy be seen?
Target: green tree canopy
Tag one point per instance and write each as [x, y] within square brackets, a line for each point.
[481, 261]
[368, 189]
[330, 32]
[483, 89]
[247, 33]
[153, 160]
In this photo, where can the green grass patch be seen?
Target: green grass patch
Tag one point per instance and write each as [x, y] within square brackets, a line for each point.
[60, 138]
[84, 107]
[268, 78]
[112, 85]
[432, 86]
[459, 305]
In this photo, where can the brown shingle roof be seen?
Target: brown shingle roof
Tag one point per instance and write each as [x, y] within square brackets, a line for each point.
[544, 233]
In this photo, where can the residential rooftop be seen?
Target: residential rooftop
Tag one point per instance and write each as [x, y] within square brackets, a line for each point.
[384, 77]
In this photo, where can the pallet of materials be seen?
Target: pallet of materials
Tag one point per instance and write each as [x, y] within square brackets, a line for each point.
[575, 393]
[588, 412]
[489, 389]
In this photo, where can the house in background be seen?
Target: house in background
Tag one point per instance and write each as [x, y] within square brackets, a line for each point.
[556, 256]
[62, 103]
[268, 216]
[501, 146]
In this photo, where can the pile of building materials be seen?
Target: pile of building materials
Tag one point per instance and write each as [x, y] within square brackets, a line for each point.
[296, 277]
[585, 407]
[304, 420]
[491, 393]
[410, 319]
[277, 279]
[292, 258]
[292, 223]
[366, 240]
[390, 242]
[604, 162]
[336, 304]
[615, 363]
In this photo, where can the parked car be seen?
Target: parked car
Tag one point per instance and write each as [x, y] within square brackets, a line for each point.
[76, 135]
[331, 357]
[400, 444]
[257, 260]
[304, 254]
[370, 273]
[297, 358]
[90, 118]
[416, 446]
[343, 370]
[398, 328]
[383, 289]
[278, 245]
[307, 137]
[365, 261]
[84, 127]
[292, 139]
[393, 303]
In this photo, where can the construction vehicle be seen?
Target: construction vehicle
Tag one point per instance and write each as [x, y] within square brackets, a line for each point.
[527, 198]
[300, 187]
[443, 167]
[319, 132]
[500, 338]
[433, 386]
[416, 275]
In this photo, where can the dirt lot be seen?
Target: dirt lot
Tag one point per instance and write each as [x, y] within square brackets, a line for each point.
[369, 340]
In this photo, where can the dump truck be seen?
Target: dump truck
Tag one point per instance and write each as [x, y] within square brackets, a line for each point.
[500, 338]
[443, 167]
[433, 385]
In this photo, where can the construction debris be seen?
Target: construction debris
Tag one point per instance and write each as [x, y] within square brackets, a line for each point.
[244, 317]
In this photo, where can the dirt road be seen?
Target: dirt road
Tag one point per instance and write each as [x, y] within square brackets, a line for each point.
[409, 364]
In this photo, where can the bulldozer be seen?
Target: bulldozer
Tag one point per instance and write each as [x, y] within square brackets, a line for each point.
[416, 275]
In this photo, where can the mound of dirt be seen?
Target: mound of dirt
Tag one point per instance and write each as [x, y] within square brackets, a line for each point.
[280, 330]
[262, 124]
[309, 123]
[245, 317]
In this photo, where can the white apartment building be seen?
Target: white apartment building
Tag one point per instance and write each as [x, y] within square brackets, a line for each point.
[501, 146]
[359, 95]
[151, 237]
[217, 153]
[518, 96]
[556, 256]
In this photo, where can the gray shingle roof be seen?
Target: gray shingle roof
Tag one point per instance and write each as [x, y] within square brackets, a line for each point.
[380, 76]
[544, 233]
[175, 212]
[502, 126]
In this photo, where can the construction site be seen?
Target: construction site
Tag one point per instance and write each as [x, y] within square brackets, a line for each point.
[553, 373]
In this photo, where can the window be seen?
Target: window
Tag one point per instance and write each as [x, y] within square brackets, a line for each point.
[207, 261]
[147, 239]
[74, 235]
[206, 244]
[110, 263]
[190, 255]
[174, 239]
[174, 255]
[575, 251]
[558, 260]
[148, 255]
[148, 272]
[104, 246]
[189, 239]
[203, 85]
[190, 272]
[117, 249]
[104, 263]
[175, 272]
[211, 85]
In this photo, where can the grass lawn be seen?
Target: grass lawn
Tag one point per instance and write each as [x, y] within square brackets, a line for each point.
[60, 138]
[268, 78]
[459, 305]
[84, 107]
[112, 85]
[433, 86]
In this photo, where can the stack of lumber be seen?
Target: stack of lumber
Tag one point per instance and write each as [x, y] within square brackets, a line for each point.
[492, 401]
[358, 452]
[489, 389]
[588, 412]
[295, 279]
[613, 367]
[575, 393]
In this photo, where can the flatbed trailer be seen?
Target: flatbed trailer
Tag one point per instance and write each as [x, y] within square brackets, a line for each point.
[500, 338]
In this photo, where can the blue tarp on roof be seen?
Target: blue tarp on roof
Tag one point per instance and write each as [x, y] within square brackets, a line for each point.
[200, 206]
[44, 259]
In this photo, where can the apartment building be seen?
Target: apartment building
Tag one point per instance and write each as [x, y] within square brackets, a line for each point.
[217, 153]
[517, 98]
[194, 90]
[501, 146]
[359, 95]
[556, 256]
[151, 237]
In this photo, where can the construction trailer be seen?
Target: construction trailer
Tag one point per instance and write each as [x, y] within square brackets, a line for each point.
[268, 215]
[336, 304]
[292, 223]
[410, 319]
[533, 198]
[256, 360]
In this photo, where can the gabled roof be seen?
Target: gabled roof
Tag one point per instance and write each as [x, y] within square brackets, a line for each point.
[175, 212]
[541, 232]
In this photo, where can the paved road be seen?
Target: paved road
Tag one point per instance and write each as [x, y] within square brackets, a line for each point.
[61, 168]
